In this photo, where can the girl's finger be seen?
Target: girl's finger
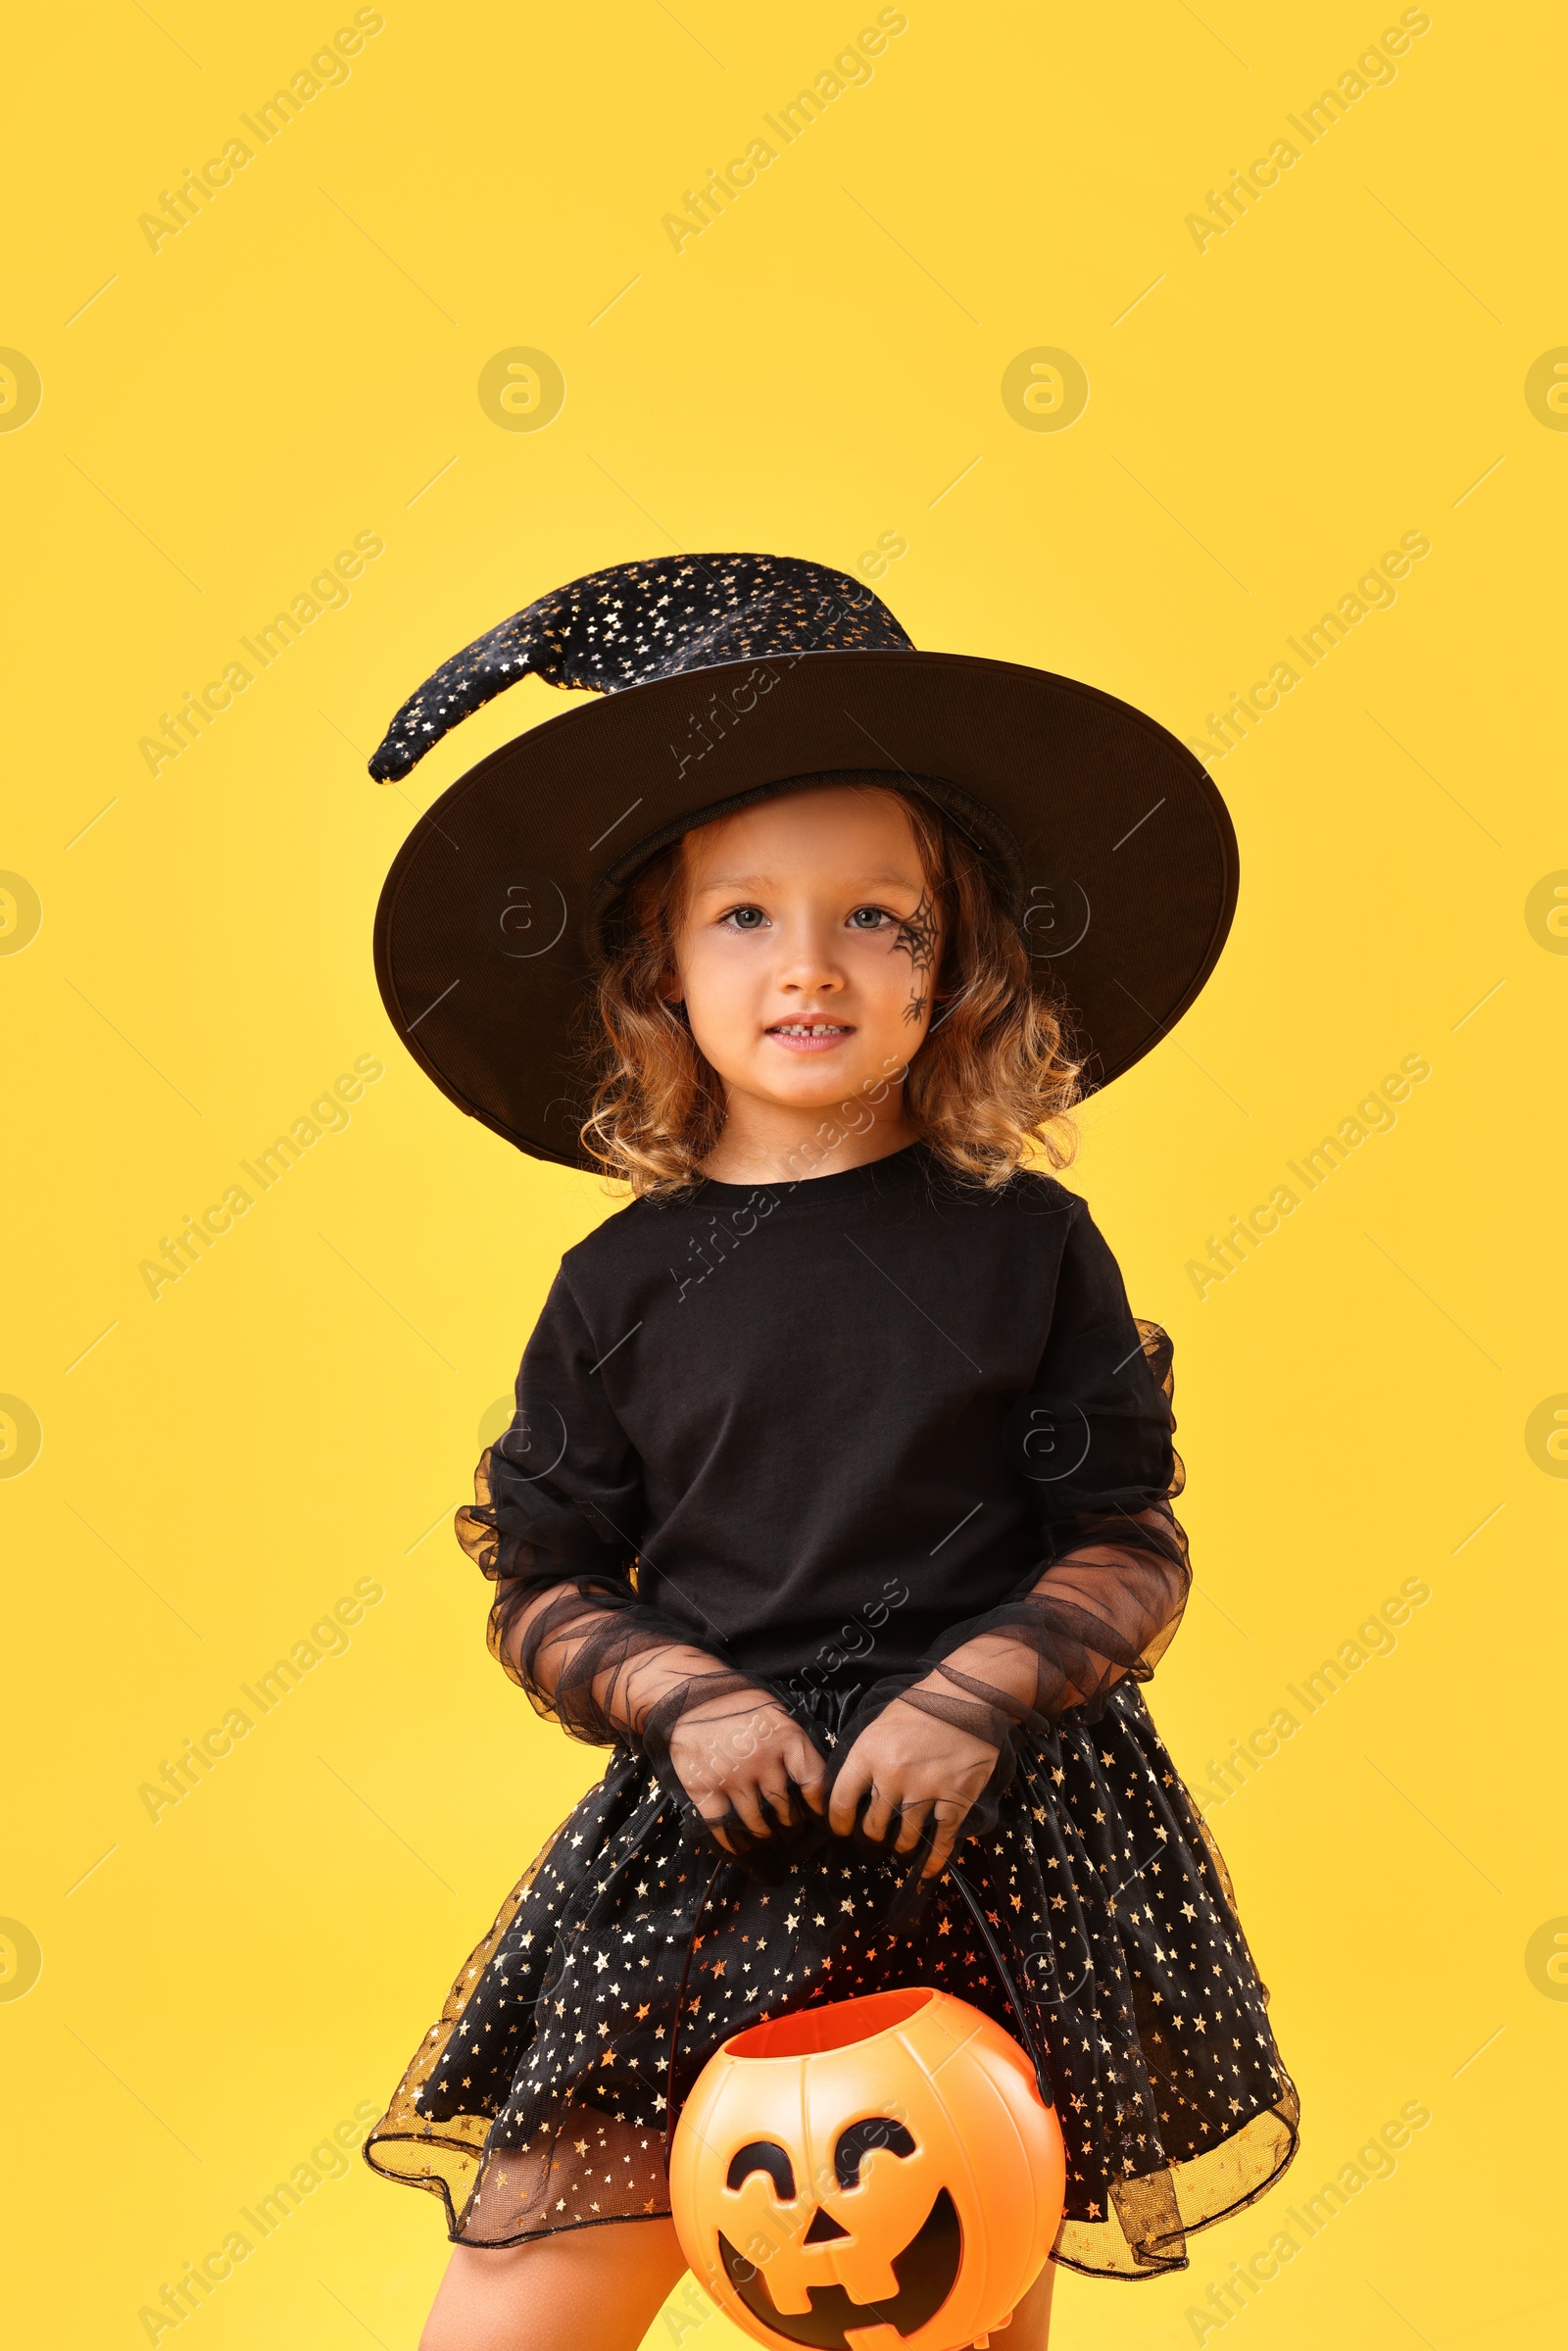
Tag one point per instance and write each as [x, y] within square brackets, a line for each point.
[742, 1799]
[847, 1789]
[949, 1820]
[779, 1798]
[722, 1818]
[878, 1816]
[941, 1850]
[808, 1771]
[713, 1811]
[912, 1826]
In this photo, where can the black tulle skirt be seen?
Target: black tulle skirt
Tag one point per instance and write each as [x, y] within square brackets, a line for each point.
[542, 2097]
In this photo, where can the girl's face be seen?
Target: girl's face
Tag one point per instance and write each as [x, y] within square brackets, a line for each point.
[807, 955]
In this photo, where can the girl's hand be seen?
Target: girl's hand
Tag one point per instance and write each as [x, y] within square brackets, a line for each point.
[746, 1756]
[921, 1772]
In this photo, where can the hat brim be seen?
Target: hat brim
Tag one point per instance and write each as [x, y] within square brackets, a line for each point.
[485, 932]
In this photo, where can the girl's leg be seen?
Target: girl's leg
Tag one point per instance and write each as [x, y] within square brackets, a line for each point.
[605, 2286]
[598, 2288]
[1030, 2329]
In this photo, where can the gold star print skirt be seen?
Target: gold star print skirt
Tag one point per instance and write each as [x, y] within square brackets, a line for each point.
[541, 2097]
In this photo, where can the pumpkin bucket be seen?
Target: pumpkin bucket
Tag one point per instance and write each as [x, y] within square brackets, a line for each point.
[875, 2175]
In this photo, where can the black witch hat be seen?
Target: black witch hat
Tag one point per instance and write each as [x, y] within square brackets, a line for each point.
[724, 679]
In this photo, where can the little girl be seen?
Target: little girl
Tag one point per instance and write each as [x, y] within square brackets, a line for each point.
[837, 1500]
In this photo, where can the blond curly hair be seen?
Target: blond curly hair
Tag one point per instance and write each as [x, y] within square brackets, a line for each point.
[989, 1087]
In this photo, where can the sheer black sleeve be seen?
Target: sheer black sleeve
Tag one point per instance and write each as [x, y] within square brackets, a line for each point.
[1093, 1437]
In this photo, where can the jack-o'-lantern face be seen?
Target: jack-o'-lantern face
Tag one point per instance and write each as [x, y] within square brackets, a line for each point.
[876, 2173]
[923, 2270]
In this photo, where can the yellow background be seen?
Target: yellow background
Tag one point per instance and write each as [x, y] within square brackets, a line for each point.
[302, 1410]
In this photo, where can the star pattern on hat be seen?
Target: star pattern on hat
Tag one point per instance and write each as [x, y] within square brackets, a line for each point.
[635, 623]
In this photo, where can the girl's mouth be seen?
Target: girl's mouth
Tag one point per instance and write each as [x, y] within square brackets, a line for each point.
[809, 1035]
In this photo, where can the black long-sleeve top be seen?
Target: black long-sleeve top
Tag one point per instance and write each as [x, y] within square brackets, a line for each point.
[819, 1423]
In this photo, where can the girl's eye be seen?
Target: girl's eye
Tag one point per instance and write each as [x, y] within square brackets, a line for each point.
[746, 918]
[869, 919]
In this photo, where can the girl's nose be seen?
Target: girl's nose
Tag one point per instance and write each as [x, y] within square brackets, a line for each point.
[810, 966]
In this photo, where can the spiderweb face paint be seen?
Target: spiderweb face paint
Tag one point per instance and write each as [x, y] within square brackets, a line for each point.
[916, 937]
